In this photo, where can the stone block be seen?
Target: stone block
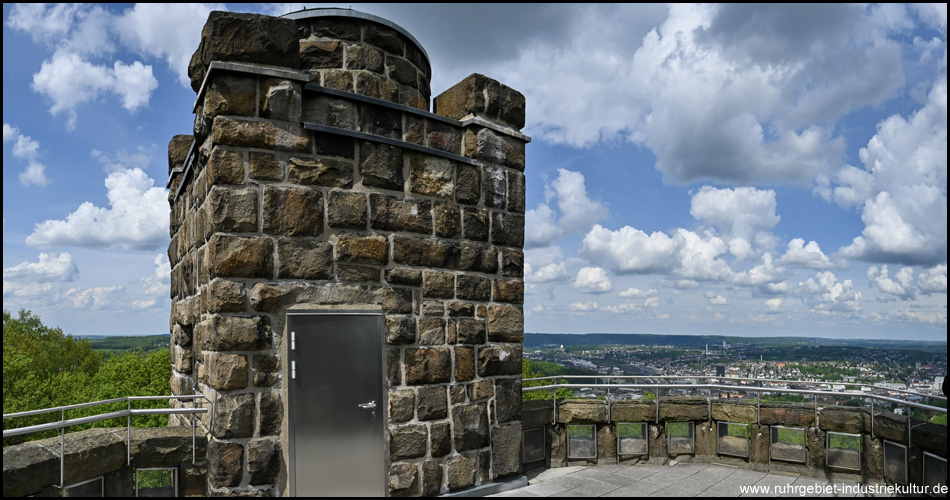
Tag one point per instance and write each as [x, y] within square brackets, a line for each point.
[281, 136]
[330, 111]
[428, 366]
[402, 405]
[512, 262]
[457, 394]
[464, 364]
[470, 287]
[537, 413]
[418, 251]
[269, 297]
[390, 213]
[431, 175]
[182, 358]
[346, 210]
[759, 441]
[224, 296]
[872, 458]
[341, 29]
[264, 166]
[470, 426]
[606, 444]
[481, 389]
[403, 480]
[443, 137]
[631, 411]
[468, 330]
[685, 408]
[440, 439]
[178, 149]
[508, 399]
[383, 122]
[281, 100]
[225, 464]
[438, 284]
[407, 277]
[499, 360]
[476, 95]
[507, 229]
[739, 413]
[447, 220]
[365, 250]
[227, 372]
[505, 323]
[431, 478]
[930, 437]
[400, 330]
[327, 144]
[506, 448]
[512, 110]
[408, 441]
[233, 416]
[321, 53]
[467, 185]
[225, 167]
[394, 367]
[582, 412]
[232, 333]
[248, 38]
[460, 472]
[508, 290]
[475, 224]
[304, 259]
[266, 369]
[414, 129]
[230, 94]
[495, 186]
[292, 211]
[402, 71]
[367, 57]
[457, 308]
[327, 172]
[844, 419]
[516, 192]
[336, 79]
[431, 331]
[263, 461]
[788, 414]
[890, 426]
[432, 403]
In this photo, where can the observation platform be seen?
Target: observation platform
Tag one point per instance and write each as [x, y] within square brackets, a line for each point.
[683, 480]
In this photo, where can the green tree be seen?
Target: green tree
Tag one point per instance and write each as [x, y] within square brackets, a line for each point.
[527, 372]
[45, 368]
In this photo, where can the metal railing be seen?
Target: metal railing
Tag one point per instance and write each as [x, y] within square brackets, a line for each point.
[743, 388]
[128, 413]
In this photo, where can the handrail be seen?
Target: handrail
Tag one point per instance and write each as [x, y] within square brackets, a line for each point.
[128, 413]
[731, 387]
[811, 382]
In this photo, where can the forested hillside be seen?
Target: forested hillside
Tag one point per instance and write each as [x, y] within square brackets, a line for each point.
[44, 367]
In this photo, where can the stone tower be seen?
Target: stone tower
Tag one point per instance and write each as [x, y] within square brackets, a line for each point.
[317, 175]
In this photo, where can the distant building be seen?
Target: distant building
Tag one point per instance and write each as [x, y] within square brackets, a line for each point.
[720, 371]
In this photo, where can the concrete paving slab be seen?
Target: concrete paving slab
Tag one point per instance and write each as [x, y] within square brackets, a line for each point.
[587, 488]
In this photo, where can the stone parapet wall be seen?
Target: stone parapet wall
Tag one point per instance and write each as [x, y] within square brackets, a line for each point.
[33, 468]
[706, 415]
[296, 188]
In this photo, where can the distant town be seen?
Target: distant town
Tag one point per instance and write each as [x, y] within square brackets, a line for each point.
[845, 366]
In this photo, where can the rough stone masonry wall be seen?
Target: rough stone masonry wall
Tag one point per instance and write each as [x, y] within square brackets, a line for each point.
[267, 213]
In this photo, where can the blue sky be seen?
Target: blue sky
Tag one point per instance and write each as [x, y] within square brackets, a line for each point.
[715, 169]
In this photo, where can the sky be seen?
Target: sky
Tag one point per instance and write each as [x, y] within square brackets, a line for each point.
[748, 170]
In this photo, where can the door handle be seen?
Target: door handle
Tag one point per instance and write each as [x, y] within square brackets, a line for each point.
[368, 406]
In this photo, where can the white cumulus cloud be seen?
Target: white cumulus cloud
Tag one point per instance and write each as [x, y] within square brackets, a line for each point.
[27, 149]
[50, 268]
[578, 212]
[592, 280]
[137, 217]
[801, 255]
[636, 293]
[933, 280]
[901, 285]
[826, 294]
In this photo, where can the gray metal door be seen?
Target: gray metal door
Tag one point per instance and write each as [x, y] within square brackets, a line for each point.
[337, 404]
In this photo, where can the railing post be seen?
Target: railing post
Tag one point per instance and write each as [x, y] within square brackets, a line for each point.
[128, 434]
[872, 420]
[62, 456]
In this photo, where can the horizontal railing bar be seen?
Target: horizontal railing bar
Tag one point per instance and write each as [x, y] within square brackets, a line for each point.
[95, 403]
[170, 411]
[732, 387]
[64, 423]
[63, 408]
[811, 382]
